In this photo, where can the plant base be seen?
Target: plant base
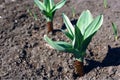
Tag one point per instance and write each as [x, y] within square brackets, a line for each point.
[79, 68]
[49, 27]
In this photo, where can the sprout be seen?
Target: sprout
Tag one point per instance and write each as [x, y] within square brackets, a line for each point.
[80, 36]
[105, 3]
[48, 8]
[73, 11]
[115, 31]
[33, 14]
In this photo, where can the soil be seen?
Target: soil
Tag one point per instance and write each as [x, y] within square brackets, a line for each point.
[24, 55]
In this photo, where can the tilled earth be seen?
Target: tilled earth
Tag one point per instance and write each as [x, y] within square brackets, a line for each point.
[24, 55]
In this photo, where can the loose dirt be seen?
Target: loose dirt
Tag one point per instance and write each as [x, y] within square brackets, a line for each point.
[24, 55]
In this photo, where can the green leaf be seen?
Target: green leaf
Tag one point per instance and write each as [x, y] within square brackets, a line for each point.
[59, 5]
[68, 24]
[93, 26]
[55, 46]
[65, 45]
[84, 20]
[85, 44]
[47, 4]
[78, 38]
[67, 34]
[52, 4]
[61, 46]
[40, 5]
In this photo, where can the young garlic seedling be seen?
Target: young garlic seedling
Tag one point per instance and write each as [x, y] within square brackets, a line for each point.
[73, 12]
[115, 30]
[80, 37]
[48, 9]
[105, 3]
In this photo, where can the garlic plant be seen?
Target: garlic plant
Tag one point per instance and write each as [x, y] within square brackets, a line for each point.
[80, 36]
[48, 9]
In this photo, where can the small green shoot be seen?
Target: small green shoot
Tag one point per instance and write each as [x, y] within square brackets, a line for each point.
[32, 13]
[35, 16]
[105, 3]
[73, 11]
[80, 35]
[115, 30]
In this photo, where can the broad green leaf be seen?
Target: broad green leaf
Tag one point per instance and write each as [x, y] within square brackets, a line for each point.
[47, 4]
[40, 5]
[68, 48]
[55, 46]
[65, 45]
[78, 38]
[59, 5]
[93, 26]
[84, 20]
[67, 34]
[44, 2]
[52, 4]
[85, 43]
[68, 24]
[61, 46]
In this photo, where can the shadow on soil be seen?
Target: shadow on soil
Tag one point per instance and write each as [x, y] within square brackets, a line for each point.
[64, 27]
[112, 59]
[73, 23]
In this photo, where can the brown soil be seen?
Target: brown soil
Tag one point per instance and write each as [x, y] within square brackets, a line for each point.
[24, 55]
